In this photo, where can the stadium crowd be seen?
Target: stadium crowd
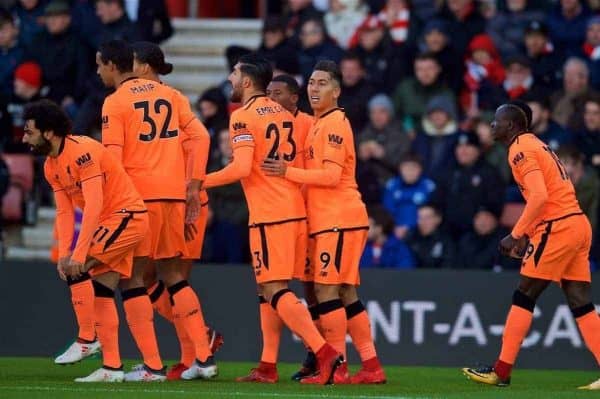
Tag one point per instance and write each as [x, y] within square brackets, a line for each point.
[421, 80]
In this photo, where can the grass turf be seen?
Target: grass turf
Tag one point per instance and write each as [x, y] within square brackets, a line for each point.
[34, 378]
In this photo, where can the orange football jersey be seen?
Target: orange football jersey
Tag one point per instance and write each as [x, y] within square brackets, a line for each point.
[302, 124]
[269, 128]
[143, 117]
[528, 153]
[331, 139]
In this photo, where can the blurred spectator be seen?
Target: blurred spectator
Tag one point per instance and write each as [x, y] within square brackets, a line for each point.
[227, 234]
[152, 19]
[545, 60]
[588, 139]
[343, 18]
[437, 42]
[383, 142]
[493, 152]
[478, 249]
[590, 50]
[472, 184]
[464, 22]
[484, 74]
[413, 94]
[316, 46]
[382, 248]
[367, 179]
[298, 12]
[60, 53]
[4, 185]
[567, 103]
[276, 47]
[27, 88]
[519, 80]
[385, 63]
[405, 193]
[585, 180]
[432, 247]
[356, 91]
[116, 25]
[507, 27]
[567, 23]
[11, 52]
[212, 107]
[543, 126]
[436, 137]
[401, 23]
[29, 15]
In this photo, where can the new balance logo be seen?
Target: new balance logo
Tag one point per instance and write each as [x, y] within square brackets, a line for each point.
[239, 126]
[83, 159]
[335, 139]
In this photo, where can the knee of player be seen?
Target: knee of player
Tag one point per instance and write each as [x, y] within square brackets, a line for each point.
[348, 294]
[578, 294]
[270, 289]
[327, 292]
[532, 287]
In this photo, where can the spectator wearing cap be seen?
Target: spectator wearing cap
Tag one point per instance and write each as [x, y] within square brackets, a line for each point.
[590, 50]
[277, 48]
[436, 137]
[432, 247]
[343, 18]
[470, 185]
[383, 249]
[27, 88]
[478, 248]
[414, 93]
[384, 62]
[437, 42]
[567, 103]
[545, 60]
[11, 53]
[519, 80]
[29, 14]
[152, 19]
[464, 22]
[383, 141]
[356, 91]
[60, 53]
[316, 46]
[588, 138]
[404, 193]
[567, 24]
[542, 124]
[507, 27]
[484, 73]
[584, 179]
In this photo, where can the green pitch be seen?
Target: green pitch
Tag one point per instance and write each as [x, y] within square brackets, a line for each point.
[38, 378]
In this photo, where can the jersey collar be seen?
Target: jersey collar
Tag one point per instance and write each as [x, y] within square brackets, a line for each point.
[127, 80]
[331, 111]
[252, 99]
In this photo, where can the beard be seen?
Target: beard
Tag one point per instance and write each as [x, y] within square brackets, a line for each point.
[43, 148]
[236, 93]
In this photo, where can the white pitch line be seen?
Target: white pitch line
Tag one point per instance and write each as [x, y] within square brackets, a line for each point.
[196, 392]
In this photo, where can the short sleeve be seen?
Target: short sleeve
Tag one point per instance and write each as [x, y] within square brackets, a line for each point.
[113, 123]
[88, 164]
[240, 132]
[523, 162]
[51, 177]
[335, 140]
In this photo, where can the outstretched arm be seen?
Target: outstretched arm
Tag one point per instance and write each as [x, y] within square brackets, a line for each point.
[239, 168]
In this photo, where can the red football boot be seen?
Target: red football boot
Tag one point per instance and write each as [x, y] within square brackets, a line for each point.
[175, 371]
[265, 373]
[328, 360]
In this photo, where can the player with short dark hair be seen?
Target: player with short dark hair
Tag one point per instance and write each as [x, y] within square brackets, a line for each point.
[552, 236]
[85, 174]
[338, 224]
[261, 129]
[141, 126]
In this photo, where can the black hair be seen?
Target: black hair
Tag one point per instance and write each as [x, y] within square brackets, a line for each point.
[382, 217]
[331, 68]
[289, 81]
[258, 69]
[433, 207]
[151, 54]
[121, 3]
[427, 55]
[273, 23]
[47, 115]
[6, 17]
[353, 56]
[522, 113]
[411, 157]
[119, 53]
[571, 152]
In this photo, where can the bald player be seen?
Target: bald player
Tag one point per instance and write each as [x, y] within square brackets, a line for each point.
[552, 236]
